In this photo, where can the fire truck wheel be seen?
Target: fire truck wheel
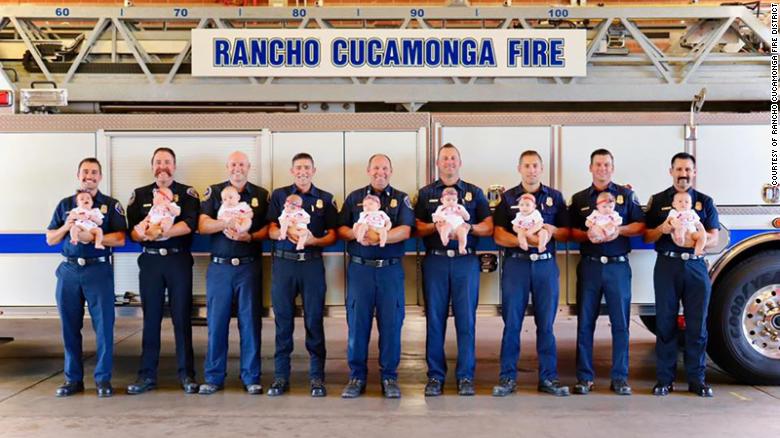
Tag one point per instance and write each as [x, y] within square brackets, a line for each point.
[744, 320]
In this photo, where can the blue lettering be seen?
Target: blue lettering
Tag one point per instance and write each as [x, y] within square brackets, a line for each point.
[221, 52]
[556, 53]
[487, 56]
[294, 48]
[391, 53]
[259, 52]
[276, 47]
[340, 52]
[468, 52]
[540, 53]
[357, 56]
[374, 52]
[311, 52]
[240, 56]
[513, 49]
[412, 51]
[450, 51]
[432, 52]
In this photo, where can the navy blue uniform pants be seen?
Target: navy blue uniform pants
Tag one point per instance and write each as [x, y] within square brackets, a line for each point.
[521, 279]
[613, 282]
[372, 289]
[93, 284]
[290, 278]
[448, 279]
[225, 285]
[687, 281]
[174, 273]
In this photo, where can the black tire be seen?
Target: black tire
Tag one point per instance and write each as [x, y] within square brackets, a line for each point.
[728, 345]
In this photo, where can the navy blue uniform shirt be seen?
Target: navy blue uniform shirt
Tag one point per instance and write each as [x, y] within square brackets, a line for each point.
[183, 195]
[549, 202]
[113, 221]
[469, 195]
[658, 210]
[626, 205]
[395, 203]
[221, 245]
[318, 203]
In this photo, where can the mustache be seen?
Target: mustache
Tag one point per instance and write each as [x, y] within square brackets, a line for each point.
[683, 178]
[159, 171]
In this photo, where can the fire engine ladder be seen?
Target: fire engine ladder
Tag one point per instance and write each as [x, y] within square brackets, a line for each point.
[634, 54]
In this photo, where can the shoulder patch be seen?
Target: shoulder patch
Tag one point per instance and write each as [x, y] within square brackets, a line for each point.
[207, 194]
[192, 192]
[132, 199]
[408, 202]
[119, 209]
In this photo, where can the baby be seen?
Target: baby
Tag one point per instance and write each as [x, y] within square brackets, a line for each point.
[161, 215]
[234, 212]
[372, 218]
[604, 220]
[294, 216]
[87, 219]
[453, 217]
[529, 222]
[686, 223]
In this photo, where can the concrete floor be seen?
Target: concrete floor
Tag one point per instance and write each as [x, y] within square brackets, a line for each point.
[31, 369]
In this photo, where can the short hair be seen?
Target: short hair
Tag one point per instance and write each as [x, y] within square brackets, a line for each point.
[601, 151]
[80, 191]
[604, 197]
[683, 156]
[371, 158]
[302, 156]
[527, 196]
[682, 193]
[449, 191]
[530, 153]
[90, 160]
[447, 146]
[373, 198]
[164, 149]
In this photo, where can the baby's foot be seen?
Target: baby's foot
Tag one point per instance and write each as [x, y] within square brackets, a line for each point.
[99, 246]
[462, 250]
[523, 244]
[542, 247]
[74, 241]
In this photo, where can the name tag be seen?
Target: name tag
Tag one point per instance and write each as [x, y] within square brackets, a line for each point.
[666, 208]
[147, 205]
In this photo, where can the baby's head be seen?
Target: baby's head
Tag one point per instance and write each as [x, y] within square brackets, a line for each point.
[682, 201]
[230, 196]
[162, 195]
[526, 203]
[293, 203]
[84, 199]
[371, 203]
[605, 203]
[449, 197]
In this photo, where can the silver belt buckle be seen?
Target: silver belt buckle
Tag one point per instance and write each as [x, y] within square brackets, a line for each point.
[604, 260]
[450, 253]
[685, 256]
[534, 257]
[81, 261]
[163, 252]
[301, 257]
[235, 261]
[380, 263]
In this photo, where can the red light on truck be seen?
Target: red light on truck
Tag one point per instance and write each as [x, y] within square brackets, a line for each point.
[6, 98]
[776, 222]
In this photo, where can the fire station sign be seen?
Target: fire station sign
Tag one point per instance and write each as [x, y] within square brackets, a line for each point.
[388, 52]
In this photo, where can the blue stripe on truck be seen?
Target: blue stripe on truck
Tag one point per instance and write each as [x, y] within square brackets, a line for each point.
[35, 243]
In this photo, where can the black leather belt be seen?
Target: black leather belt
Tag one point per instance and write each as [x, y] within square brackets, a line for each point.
[235, 261]
[450, 252]
[529, 256]
[81, 261]
[682, 255]
[161, 251]
[604, 259]
[297, 256]
[375, 263]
